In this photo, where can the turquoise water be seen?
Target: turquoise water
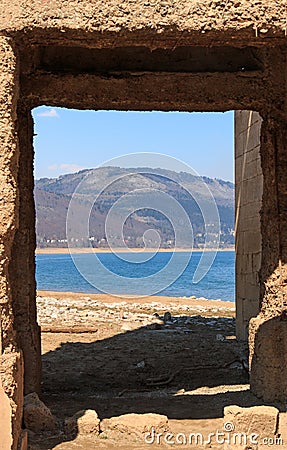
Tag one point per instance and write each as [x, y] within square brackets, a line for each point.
[59, 273]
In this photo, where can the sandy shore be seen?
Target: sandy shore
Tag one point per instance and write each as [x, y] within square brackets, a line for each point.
[64, 251]
[81, 312]
[116, 355]
[164, 300]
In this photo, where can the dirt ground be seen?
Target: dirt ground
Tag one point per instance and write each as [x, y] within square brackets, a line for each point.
[120, 356]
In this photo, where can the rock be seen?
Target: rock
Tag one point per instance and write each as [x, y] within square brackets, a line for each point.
[220, 337]
[140, 365]
[268, 358]
[37, 417]
[127, 327]
[158, 321]
[167, 317]
[155, 326]
[256, 423]
[83, 422]
[122, 314]
[136, 424]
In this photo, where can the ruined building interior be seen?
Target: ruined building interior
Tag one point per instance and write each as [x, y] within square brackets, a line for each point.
[147, 55]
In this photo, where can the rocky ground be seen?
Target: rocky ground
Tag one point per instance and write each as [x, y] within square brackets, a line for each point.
[174, 357]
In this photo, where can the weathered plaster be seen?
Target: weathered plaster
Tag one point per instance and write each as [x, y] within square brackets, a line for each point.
[147, 54]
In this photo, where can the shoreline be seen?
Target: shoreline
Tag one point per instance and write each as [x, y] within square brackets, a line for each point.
[66, 251]
[108, 298]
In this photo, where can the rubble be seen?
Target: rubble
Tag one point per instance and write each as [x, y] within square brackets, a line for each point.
[37, 417]
[83, 422]
[253, 424]
[137, 424]
[153, 315]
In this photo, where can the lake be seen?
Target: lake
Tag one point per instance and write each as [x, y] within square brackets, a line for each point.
[58, 272]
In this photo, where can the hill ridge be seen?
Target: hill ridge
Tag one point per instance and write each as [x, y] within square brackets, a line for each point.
[53, 195]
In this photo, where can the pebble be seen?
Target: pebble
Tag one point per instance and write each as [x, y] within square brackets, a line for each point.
[220, 337]
[154, 316]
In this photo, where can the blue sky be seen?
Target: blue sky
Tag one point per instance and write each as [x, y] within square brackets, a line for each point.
[69, 140]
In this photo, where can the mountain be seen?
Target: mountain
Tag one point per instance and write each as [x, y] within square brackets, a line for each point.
[142, 193]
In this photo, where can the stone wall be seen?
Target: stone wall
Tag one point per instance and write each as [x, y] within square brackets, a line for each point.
[22, 265]
[268, 331]
[11, 361]
[248, 202]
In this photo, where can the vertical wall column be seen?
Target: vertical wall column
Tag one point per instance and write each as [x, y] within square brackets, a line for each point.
[23, 259]
[268, 331]
[248, 202]
[11, 361]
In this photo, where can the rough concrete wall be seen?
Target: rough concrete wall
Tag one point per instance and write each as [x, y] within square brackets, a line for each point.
[22, 264]
[268, 332]
[274, 216]
[60, 81]
[11, 364]
[252, 19]
[248, 201]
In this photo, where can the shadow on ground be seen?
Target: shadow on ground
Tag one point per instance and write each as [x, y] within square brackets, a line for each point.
[191, 374]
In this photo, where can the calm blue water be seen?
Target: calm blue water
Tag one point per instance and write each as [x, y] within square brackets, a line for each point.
[58, 273]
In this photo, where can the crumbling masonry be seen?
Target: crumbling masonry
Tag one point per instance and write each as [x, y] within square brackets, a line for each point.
[168, 55]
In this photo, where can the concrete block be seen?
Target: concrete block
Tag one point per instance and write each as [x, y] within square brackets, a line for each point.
[251, 190]
[249, 426]
[252, 168]
[251, 304]
[268, 358]
[242, 162]
[251, 223]
[83, 422]
[244, 264]
[243, 119]
[255, 117]
[252, 278]
[239, 164]
[239, 144]
[248, 141]
[244, 212]
[138, 424]
[252, 242]
[241, 329]
[239, 243]
[252, 137]
[248, 198]
[240, 288]
[253, 155]
[256, 261]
